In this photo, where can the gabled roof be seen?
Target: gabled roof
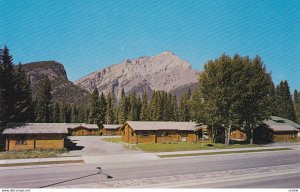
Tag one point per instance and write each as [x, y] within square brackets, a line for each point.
[35, 128]
[111, 126]
[45, 128]
[163, 125]
[281, 124]
[76, 125]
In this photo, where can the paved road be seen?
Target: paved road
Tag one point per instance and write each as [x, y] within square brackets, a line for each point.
[267, 169]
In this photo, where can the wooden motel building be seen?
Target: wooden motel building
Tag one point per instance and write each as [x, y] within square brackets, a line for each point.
[276, 129]
[162, 132]
[111, 129]
[31, 136]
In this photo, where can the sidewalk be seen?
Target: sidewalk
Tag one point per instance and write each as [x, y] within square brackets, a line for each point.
[225, 150]
[129, 157]
[39, 161]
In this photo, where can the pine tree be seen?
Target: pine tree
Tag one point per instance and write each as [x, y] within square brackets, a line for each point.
[185, 107]
[44, 102]
[56, 113]
[123, 108]
[110, 116]
[7, 85]
[94, 107]
[284, 101]
[144, 107]
[102, 111]
[23, 103]
[297, 105]
[74, 114]
[133, 107]
[197, 107]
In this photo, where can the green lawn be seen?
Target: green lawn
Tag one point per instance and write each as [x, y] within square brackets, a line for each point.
[113, 139]
[25, 154]
[160, 147]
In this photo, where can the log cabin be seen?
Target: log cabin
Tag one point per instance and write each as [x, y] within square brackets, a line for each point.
[162, 132]
[83, 129]
[30, 136]
[276, 129]
[109, 129]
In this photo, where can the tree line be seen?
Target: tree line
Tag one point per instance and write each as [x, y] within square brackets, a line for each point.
[233, 92]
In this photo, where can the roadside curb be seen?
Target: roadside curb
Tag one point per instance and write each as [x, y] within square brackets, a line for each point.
[219, 150]
[39, 161]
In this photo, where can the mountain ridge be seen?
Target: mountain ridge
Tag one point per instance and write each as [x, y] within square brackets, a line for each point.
[164, 71]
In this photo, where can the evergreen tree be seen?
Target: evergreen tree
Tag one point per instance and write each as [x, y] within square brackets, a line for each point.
[56, 113]
[102, 111]
[44, 102]
[133, 107]
[123, 108]
[185, 107]
[94, 107]
[197, 107]
[110, 116]
[23, 103]
[284, 101]
[144, 107]
[7, 85]
[74, 114]
[297, 105]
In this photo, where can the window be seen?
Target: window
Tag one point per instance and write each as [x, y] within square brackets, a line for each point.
[132, 134]
[21, 140]
[145, 133]
[165, 133]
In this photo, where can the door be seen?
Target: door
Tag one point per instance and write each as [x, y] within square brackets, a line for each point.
[183, 136]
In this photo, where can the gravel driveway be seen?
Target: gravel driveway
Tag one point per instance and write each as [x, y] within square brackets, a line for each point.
[95, 145]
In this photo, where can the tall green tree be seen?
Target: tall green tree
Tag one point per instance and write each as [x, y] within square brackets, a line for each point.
[102, 111]
[44, 102]
[7, 85]
[234, 92]
[23, 104]
[284, 101]
[122, 108]
[185, 107]
[94, 107]
[297, 105]
[56, 113]
[110, 107]
[197, 107]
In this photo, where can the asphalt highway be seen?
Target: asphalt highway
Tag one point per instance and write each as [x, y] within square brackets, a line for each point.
[280, 169]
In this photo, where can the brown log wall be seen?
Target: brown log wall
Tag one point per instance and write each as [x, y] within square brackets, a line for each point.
[42, 141]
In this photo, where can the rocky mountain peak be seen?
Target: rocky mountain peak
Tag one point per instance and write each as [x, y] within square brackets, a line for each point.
[165, 71]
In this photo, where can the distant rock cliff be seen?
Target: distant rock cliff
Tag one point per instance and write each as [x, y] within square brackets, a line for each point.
[63, 89]
[164, 71]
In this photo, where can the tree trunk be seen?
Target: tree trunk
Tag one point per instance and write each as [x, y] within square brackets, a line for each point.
[251, 134]
[227, 135]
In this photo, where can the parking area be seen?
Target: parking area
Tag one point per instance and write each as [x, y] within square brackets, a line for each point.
[95, 145]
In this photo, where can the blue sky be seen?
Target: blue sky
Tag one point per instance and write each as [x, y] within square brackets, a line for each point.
[89, 35]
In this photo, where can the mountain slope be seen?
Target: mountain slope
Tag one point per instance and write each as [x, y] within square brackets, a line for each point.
[63, 89]
[164, 71]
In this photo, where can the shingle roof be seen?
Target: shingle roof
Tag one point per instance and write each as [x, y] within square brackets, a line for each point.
[76, 125]
[33, 128]
[111, 126]
[280, 124]
[45, 128]
[163, 125]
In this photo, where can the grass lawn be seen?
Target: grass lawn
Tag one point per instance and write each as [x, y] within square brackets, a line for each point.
[113, 139]
[26, 154]
[160, 147]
